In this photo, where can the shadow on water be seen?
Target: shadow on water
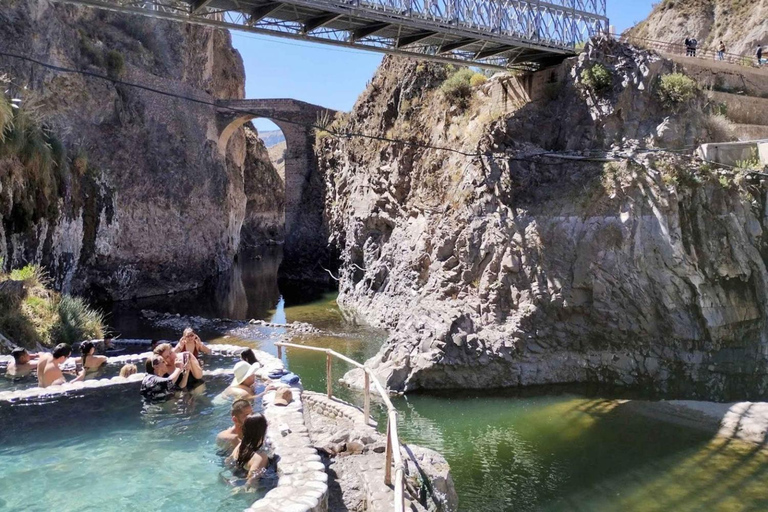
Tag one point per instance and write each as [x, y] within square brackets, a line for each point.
[250, 289]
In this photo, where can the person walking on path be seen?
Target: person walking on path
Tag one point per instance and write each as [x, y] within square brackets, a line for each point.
[759, 55]
[721, 51]
[687, 47]
[694, 44]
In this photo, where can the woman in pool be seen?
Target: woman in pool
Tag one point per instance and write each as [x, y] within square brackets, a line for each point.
[252, 454]
[248, 356]
[89, 360]
[128, 370]
[191, 342]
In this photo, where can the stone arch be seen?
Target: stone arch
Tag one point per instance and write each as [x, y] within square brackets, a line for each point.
[305, 233]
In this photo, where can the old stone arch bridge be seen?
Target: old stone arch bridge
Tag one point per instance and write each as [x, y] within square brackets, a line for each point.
[305, 234]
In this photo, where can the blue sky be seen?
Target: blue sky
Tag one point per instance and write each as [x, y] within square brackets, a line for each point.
[334, 77]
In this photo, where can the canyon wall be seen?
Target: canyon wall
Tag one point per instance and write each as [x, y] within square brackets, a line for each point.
[157, 208]
[493, 262]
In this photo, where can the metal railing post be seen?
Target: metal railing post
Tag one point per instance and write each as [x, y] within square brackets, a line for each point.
[328, 381]
[388, 462]
[280, 352]
[367, 397]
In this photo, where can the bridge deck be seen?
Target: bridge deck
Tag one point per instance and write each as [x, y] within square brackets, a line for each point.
[492, 33]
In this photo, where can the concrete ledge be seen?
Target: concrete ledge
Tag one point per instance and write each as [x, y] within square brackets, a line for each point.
[730, 153]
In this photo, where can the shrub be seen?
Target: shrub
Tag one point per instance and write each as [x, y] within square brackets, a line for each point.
[115, 63]
[457, 87]
[719, 128]
[6, 116]
[477, 79]
[676, 89]
[596, 78]
[76, 321]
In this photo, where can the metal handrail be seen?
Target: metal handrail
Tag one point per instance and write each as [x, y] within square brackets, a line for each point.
[677, 47]
[393, 440]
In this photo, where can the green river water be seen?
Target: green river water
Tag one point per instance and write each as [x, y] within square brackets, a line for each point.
[553, 449]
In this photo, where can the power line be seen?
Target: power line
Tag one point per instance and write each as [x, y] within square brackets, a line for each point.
[490, 154]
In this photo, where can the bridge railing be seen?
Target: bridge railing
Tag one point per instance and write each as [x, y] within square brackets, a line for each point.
[702, 52]
[393, 441]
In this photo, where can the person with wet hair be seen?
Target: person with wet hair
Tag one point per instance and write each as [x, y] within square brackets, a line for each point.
[22, 364]
[251, 455]
[172, 359]
[90, 361]
[248, 356]
[229, 438]
[191, 342]
[155, 387]
[48, 369]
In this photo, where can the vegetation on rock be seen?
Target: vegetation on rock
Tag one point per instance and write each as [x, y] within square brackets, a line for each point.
[31, 313]
[676, 89]
[596, 78]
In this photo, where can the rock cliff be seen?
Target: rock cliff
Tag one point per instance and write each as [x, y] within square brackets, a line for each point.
[740, 24]
[499, 263]
[163, 209]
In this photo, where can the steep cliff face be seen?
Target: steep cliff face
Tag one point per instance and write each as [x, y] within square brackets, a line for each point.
[517, 267]
[740, 24]
[165, 208]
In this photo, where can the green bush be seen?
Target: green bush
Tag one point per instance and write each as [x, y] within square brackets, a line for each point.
[457, 86]
[676, 89]
[115, 63]
[76, 321]
[477, 79]
[596, 78]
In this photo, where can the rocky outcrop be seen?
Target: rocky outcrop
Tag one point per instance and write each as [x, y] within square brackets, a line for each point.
[163, 208]
[740, 25]
[498, 263]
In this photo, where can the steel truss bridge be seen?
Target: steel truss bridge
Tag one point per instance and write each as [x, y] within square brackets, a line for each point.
[489, 33]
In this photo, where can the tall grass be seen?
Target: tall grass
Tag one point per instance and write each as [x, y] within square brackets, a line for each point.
[77, 321]
[6, 116]
[40, 315]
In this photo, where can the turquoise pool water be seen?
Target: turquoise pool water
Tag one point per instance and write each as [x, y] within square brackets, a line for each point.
[109, 451]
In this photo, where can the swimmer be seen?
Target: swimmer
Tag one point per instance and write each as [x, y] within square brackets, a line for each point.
[155, 387]
[172, 359]
[252, 453]
[22, 364]
[49, 371]
[89, 360]
[191, 342]
[248, 356]
[228, 439]
[128, 370]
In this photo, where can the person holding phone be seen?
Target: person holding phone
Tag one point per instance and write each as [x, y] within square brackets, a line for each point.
[156, 386]
[173, 360]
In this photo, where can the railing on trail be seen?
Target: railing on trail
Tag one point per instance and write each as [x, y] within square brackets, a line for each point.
[680, 48]
[393, 441]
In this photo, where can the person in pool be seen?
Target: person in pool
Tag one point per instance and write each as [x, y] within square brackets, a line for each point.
[48, 369]
[191, 342]
[89, 360]
[172, 359]
[251, 455]
[248, 356]
[228, 439]
[155, 387]
[242, 383]
[22, 364]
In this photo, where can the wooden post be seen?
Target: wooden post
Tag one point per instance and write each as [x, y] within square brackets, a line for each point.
[367, 395]
[388, 462]
[328, 381]
[279, 352]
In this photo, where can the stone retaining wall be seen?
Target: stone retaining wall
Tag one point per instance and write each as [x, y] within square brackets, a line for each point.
[303, 483]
